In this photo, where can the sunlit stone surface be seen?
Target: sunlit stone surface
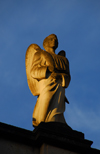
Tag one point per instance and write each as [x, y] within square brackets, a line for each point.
[48, 75]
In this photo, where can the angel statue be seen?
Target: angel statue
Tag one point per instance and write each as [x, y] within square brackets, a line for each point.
[47, 75]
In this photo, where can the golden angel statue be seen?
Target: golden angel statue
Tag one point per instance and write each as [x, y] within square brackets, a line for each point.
[48, 75]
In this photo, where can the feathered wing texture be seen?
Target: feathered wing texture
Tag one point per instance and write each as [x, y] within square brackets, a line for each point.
[32, 83]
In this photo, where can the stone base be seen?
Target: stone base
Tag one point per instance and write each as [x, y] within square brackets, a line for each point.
[48, 149]
[47, 138]
[61, 137]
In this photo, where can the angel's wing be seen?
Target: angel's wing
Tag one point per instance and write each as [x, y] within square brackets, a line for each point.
[62, 53]
[32, 83]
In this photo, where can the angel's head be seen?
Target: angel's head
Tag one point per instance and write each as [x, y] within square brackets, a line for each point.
[50, 42]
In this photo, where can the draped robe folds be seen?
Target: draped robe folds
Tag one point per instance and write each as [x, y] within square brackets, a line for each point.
[50, 104]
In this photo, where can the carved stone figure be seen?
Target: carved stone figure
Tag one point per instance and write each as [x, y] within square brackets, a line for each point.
[48, 75]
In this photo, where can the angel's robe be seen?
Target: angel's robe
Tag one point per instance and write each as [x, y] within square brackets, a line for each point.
[50, 104]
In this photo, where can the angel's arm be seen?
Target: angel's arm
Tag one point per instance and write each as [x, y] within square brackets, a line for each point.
[37, 70]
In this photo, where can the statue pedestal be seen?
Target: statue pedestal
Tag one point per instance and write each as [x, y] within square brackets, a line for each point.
[47, 138]
[59, 138]
[48, 149]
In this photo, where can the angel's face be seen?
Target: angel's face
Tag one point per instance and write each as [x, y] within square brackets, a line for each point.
[51, 41]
